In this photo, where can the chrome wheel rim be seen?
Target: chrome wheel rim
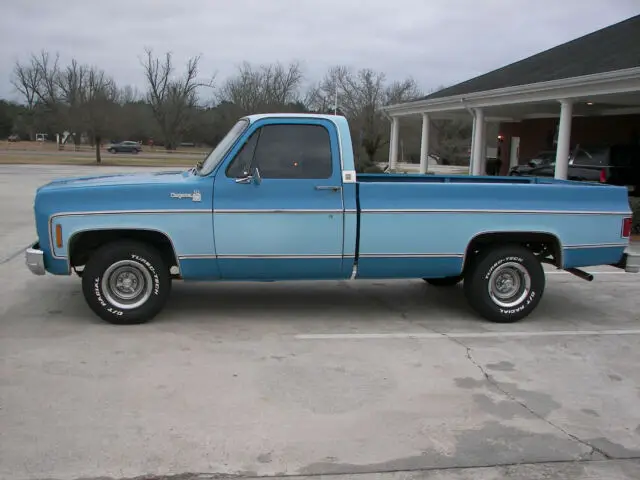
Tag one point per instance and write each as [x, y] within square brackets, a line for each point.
[127, 284]
[509, 284]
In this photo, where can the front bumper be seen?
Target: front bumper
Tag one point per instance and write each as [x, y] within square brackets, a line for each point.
[34, 258]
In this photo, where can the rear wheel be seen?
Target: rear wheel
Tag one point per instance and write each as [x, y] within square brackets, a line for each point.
[126, 282]
[444, 281]
[504, 283]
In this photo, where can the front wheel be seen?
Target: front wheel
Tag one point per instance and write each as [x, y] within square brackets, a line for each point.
[504, 284]
[126, 282]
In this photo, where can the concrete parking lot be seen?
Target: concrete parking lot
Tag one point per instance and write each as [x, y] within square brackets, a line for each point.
[390, 378]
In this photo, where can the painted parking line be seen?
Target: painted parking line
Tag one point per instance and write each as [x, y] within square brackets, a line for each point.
[557, 272]
[444, 336]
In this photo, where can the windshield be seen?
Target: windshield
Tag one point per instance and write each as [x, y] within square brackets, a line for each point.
[221, 149]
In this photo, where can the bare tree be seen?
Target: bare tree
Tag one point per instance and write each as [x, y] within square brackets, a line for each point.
[98, 106]
[263, 88]
[172, 99]
[48, 78]
[71, 81]
[451, 137]
[128, 94]
[26, 80]
[360, 95]
[36, 80]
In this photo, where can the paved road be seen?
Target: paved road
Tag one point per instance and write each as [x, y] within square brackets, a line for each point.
[342, 378]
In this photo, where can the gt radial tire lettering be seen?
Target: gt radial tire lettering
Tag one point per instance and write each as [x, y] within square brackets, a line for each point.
[98, 293]
[156, 279]
[96, 290]
[522, 306]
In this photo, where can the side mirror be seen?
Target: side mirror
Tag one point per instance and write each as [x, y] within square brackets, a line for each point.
[250, 177]
[245, 179]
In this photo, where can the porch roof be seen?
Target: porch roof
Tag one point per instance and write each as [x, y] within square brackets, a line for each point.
[601, 63]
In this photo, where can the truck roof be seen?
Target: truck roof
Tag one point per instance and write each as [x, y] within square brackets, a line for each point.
[258, 116]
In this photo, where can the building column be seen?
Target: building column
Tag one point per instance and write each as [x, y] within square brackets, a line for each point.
[424, 144]
[482, 167]
[564, 140]
[393, 142]
[479, 146]
[473, 143]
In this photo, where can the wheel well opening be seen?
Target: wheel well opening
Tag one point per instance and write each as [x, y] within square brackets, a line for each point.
[82, 244]
[545, 246]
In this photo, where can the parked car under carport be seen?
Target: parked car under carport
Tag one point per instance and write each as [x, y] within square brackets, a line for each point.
[610, 164]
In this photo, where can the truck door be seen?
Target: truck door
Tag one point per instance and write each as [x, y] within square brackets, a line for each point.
[278, 205]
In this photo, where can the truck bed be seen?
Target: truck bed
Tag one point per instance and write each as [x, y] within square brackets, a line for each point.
[411, 224]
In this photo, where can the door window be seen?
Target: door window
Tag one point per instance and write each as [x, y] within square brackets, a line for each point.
[294, 151]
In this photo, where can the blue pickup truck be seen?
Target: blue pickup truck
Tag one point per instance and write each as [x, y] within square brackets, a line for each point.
[279, 199]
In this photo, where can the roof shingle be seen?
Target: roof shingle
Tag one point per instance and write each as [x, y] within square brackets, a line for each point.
[615, 47]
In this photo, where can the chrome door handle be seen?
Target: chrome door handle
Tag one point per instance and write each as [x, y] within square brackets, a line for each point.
[333, 188]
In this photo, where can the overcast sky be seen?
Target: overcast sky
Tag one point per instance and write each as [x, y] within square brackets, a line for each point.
[438, 42]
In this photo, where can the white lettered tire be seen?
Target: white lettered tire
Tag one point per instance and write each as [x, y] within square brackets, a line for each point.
[126, 282]
[504, 283]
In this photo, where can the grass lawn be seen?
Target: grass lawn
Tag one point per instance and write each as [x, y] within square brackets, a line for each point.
[107, 160]
[52, 147]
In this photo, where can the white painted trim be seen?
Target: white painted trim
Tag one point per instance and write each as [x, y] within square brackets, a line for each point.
[619, 81]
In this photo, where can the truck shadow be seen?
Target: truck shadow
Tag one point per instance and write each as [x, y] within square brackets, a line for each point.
[379, 305]
[340, 302]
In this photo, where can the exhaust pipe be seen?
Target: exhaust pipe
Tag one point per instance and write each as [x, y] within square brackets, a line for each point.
[580, 274]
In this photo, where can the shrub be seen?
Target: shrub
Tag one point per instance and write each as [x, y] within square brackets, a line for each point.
[635, 208]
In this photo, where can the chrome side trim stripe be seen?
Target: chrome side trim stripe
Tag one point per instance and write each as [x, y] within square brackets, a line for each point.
[129, 212]
[304, 257]
[294, 210]
[276, 210]
[411, 255]
[505, 211]
[364, 255]
[263, 257]
[596, 245]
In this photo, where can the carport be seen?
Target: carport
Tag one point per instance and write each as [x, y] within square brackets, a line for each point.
[584, 91]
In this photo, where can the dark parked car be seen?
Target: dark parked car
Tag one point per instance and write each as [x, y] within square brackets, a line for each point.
[542, 158]
[612, 164]
[125, 147]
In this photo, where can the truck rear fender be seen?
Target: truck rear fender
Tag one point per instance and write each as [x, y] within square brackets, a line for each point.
[545, 245]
